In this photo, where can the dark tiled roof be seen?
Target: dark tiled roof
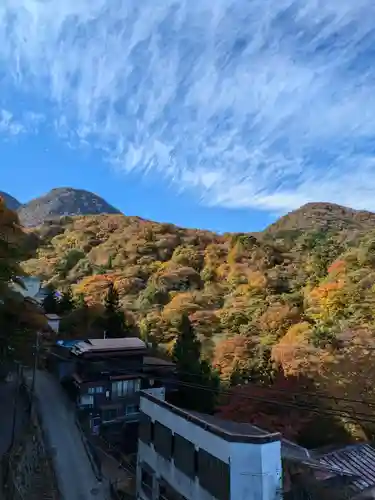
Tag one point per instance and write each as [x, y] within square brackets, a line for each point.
[106, 345]
[156, 362]
[356, 460]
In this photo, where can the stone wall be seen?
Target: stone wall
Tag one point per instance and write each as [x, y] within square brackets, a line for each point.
[27, 467]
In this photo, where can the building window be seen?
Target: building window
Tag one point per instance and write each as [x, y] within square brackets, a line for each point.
[184, 456]
[131, 410]
[87, 400]
[166, 492]
[95, 390]
[163, 439]
[123, 388]
[214, 475]
[146, 428]
[146, 482]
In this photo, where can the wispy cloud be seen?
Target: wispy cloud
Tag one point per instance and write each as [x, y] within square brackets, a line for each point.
[258, 103]
[9, 126]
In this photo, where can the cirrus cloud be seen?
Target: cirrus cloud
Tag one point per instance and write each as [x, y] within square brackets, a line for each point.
[248, 104]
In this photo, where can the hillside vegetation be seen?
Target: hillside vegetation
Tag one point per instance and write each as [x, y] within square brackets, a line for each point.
[299, 296]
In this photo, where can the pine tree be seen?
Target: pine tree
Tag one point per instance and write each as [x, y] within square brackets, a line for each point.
[192, 370]
[113, 321]
[66, 302]
[187, 348]
[50, 302]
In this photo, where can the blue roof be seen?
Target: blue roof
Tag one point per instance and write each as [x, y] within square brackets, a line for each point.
[67, 343]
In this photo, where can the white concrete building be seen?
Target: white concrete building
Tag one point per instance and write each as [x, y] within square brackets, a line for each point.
[190, 456]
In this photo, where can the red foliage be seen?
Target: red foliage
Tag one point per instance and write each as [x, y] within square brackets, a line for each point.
[268, 407]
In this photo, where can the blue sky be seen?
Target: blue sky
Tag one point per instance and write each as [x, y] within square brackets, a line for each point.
[220, 115]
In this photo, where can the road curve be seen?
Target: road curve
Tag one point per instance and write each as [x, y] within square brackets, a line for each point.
[75, 476]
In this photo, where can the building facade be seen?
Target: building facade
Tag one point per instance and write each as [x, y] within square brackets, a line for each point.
[190, 456]
[104, 377]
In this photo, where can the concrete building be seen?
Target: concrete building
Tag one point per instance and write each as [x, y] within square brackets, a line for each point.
[185, 455]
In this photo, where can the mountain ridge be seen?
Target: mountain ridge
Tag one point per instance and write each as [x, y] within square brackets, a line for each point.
[10, 201]
[63, 201]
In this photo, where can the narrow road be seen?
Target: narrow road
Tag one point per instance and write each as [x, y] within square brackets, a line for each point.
[75, 476]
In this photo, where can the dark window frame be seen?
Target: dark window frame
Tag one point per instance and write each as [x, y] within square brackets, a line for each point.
[213, 475]
[147, 488]
[163, 438]
[184, 456]
[145, 432]
[167, 492]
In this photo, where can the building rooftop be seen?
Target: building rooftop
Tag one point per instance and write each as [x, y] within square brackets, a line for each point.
[357, 461]
[227, 430]
[157, 362]
[52, 316]
[105, 345]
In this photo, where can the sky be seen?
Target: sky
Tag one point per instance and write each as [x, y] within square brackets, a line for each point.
[217, 114]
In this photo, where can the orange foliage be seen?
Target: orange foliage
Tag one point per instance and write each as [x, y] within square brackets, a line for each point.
[231, 353]
[277, 318]
[181, 303]
[293, 352]
[205, 322]
[337, 267]
[94, 287]
[257, 280]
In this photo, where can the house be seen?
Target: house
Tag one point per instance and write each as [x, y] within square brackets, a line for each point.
[343, 473]
[32, 288]
[104, 377]
[53, 321]
[34, 294]
[186, 455]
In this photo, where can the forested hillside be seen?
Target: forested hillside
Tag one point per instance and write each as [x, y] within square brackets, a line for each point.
[297, 299]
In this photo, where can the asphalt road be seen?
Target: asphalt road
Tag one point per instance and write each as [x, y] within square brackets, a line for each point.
[75, 476]
[7, 401]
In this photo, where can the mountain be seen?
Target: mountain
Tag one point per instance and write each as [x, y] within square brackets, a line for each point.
[328, 216]
[299, 297]
[60, 202]
[10, 201]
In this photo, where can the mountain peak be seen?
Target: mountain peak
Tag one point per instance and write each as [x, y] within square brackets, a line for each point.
[63, 201]
[323, 215]
[11, 202]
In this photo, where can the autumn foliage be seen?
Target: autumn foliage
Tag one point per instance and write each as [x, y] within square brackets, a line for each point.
[279, 299]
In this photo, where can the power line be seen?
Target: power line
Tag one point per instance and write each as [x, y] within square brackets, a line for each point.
[311, 408]
[281, 391]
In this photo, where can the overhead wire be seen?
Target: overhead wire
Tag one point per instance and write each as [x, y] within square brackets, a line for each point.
[303, 407]
[283, 391]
